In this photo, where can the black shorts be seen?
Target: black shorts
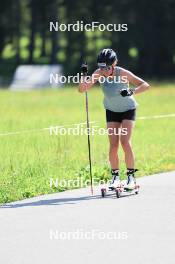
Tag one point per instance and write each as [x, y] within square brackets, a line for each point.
[120, 116]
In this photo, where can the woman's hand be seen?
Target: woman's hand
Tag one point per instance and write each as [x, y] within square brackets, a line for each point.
[83, 87]
[126, 92]
[86, 83]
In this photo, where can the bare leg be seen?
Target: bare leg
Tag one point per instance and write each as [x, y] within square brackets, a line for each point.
[114, 143]
[126, 143]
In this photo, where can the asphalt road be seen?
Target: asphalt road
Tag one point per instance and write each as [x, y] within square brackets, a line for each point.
[74, 227]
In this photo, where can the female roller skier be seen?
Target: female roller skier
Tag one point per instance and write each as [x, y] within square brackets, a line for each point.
[120, 107]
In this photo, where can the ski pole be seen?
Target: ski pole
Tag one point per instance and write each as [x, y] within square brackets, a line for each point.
[84, 69]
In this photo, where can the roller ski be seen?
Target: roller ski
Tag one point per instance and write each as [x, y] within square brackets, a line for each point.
[118, 187]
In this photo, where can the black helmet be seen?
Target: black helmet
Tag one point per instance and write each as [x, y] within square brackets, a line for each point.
[106, 57]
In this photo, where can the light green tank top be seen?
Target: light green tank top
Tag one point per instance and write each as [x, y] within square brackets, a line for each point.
[113, 100]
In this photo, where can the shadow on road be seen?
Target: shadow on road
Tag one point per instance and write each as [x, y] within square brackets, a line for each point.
[61, 201]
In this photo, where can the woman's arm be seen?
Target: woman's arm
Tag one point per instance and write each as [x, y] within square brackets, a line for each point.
[85, 84]
[141, 85]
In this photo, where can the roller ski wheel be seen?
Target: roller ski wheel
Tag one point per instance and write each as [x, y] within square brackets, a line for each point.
[137, 189]
[103, 192]
[118, 193]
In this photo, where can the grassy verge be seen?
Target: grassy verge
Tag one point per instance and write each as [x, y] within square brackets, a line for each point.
[29, 160]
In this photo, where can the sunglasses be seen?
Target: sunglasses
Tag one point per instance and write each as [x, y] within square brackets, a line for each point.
[104, 67]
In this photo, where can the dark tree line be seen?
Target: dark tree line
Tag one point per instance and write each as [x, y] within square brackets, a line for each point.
[148, 47]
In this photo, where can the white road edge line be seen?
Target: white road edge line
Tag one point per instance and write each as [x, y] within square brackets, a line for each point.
[156, 116]
[41, 129]
[83, 123]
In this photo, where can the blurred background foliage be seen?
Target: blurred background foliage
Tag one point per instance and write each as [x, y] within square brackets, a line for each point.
[147, 48]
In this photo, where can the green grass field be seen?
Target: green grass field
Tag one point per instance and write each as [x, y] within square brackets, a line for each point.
[29, 160]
